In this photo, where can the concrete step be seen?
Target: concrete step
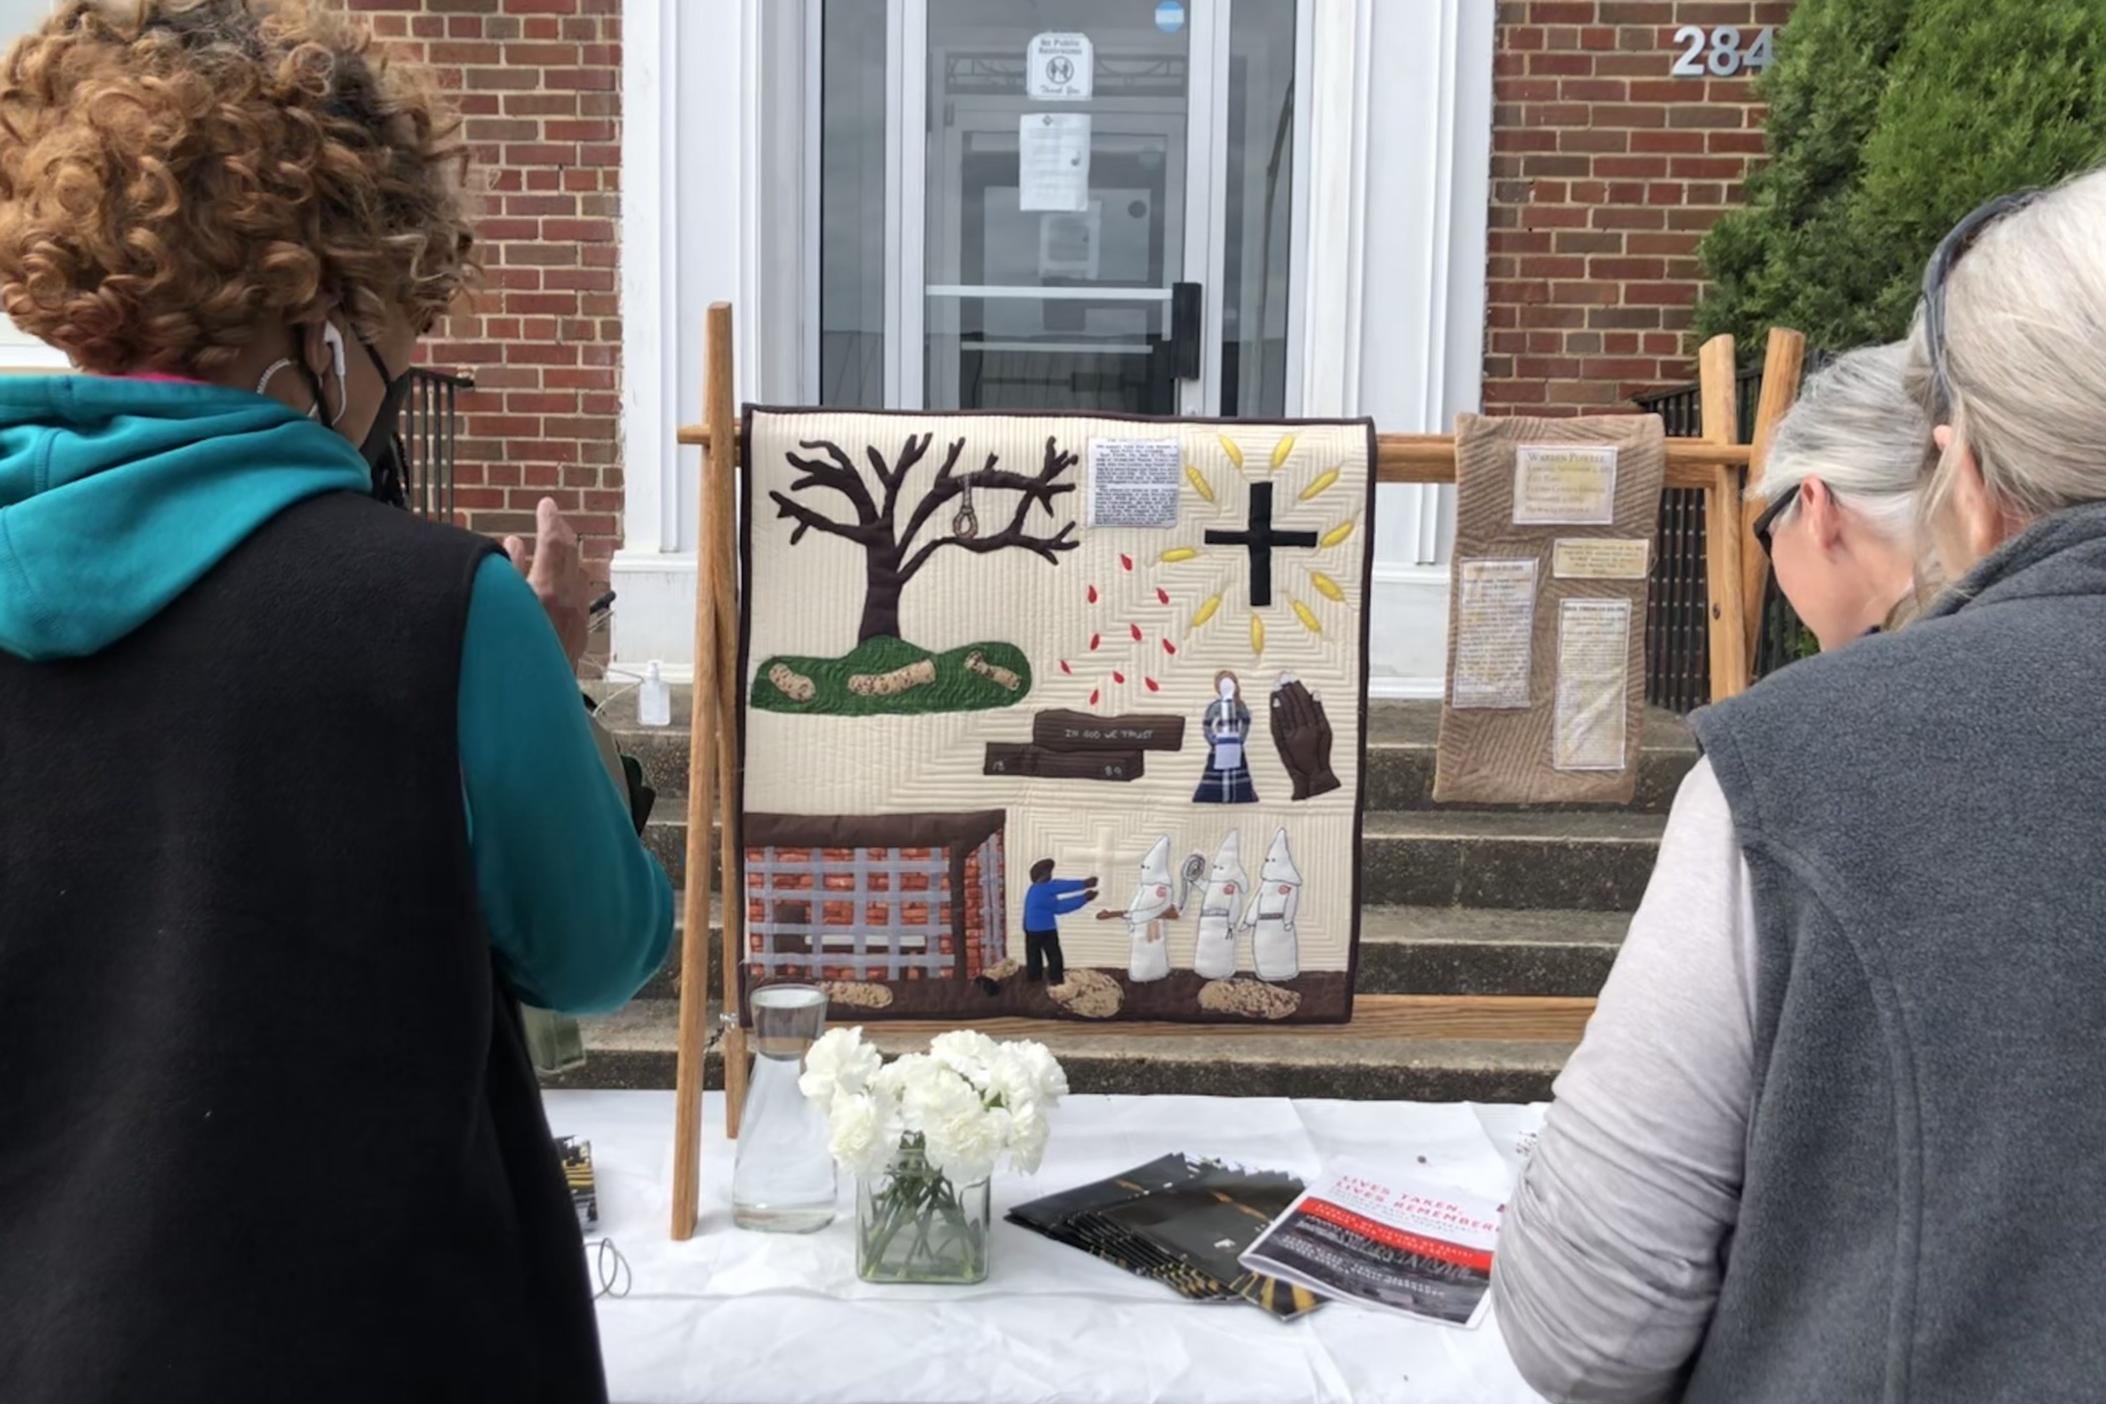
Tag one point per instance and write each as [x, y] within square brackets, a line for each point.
[1417, 950]
[1396, 1048]
[1401, 738]
[1531, 860]
[1460, 951]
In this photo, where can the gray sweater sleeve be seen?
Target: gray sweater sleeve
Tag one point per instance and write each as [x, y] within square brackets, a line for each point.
[1610, 1254]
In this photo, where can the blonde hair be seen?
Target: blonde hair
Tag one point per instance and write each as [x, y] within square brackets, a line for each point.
[2025, 356]
[177, 176]
[1859, 429]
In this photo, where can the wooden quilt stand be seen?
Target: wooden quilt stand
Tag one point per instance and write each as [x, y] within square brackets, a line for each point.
[1736, 571]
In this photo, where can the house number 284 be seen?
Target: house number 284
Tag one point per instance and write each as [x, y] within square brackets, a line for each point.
[1719, 52]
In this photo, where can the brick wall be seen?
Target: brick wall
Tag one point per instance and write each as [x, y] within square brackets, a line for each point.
[1606, 172]
[539, 83]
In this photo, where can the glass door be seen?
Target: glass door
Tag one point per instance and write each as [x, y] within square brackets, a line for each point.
[1057, 181]
[1056, 205]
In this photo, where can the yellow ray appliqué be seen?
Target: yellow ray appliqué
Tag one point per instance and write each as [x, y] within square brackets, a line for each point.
[1319, 483]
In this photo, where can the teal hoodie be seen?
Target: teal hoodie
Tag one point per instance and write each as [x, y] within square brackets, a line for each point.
[116, 495]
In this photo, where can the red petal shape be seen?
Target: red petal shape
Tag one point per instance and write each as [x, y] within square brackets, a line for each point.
[1162, 594]
[1136, 632]
[1065, 668]
[1126, 560]
[1095, 639]
[1151, 684]
[1093, 697]
[1093, 594]
[1169, 647]
[1117, 676]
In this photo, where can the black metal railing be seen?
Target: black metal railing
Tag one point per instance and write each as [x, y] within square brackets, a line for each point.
[430, 433]
[1677, 632]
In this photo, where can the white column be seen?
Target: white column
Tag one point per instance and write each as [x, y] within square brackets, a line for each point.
[1395, 314]
[713, 101]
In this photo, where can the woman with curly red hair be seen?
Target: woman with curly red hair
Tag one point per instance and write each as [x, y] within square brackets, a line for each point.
[297, 800]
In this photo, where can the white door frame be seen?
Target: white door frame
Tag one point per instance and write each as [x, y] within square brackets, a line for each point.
[714, 108]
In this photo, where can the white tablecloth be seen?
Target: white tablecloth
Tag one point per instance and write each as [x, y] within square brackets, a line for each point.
[752, 1318]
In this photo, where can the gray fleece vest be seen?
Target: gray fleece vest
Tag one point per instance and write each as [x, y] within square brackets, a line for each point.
[1924, 820]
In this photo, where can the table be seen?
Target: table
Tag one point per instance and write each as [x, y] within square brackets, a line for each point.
[750, 1318]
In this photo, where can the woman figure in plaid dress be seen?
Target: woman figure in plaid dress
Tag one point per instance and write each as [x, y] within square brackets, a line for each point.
[1227, 728]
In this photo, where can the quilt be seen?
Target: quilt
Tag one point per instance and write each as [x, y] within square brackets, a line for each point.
[1054, 716]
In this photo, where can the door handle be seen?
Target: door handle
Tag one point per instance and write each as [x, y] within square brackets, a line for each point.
[1187, 311]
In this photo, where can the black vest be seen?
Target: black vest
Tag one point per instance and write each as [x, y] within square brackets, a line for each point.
[267, 1125]
[1924, 821]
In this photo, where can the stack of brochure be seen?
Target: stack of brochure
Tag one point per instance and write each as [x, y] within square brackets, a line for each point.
[1409, 1243]
[1183, 1222]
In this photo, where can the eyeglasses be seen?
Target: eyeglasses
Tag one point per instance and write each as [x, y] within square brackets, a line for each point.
[1771, 513]
[1938, 272]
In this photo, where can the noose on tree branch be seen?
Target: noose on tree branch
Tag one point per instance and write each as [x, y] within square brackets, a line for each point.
[894, 553]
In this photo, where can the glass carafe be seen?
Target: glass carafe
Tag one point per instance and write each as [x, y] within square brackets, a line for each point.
[783, 1179]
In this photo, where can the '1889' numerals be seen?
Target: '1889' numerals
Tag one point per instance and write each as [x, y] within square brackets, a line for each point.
[1719, 52]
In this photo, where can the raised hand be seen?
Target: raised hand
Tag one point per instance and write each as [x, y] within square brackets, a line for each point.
[1302, 732]
[558, 577]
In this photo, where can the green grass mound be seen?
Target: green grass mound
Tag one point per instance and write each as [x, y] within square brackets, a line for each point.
[891, 677]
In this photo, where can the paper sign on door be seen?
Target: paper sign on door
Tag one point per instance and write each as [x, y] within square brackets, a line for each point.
[1059, 68]
[1053, 162]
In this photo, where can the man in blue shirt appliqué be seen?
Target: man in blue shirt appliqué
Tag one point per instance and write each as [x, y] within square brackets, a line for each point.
[1046, 901]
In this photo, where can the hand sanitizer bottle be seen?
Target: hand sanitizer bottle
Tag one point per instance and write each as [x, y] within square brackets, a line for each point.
[654, 703]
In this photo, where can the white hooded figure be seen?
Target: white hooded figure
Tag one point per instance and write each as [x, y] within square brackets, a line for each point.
[1153, 907]
[1220, 911]
[1270, 915]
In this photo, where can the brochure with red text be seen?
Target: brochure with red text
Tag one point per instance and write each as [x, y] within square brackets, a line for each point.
[1416, 1245]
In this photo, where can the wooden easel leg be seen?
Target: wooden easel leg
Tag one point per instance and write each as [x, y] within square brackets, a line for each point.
[727, 821]
[1722, 524]
[723, 495]
[693, 1038]
[1783, 360]
[704, 769]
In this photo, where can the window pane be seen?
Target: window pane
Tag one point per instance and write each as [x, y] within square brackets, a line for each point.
[1055, 224]
[1259, 208]
[852, 204]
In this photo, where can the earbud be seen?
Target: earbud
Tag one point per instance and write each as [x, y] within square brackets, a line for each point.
[334, 340]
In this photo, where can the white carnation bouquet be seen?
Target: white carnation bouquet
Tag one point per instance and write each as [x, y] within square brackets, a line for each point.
[965, 1104]
[921, 1129]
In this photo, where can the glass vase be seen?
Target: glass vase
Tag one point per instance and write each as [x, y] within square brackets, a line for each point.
[914, 1225]
[782, 1180]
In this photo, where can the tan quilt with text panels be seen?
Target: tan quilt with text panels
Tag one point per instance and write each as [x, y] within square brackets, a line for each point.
[1056, 717]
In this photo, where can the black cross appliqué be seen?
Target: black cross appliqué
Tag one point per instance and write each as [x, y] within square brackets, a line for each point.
[1260, 539]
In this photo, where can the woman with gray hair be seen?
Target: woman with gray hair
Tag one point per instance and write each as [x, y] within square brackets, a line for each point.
[1836, 1130]
[1841, 484]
